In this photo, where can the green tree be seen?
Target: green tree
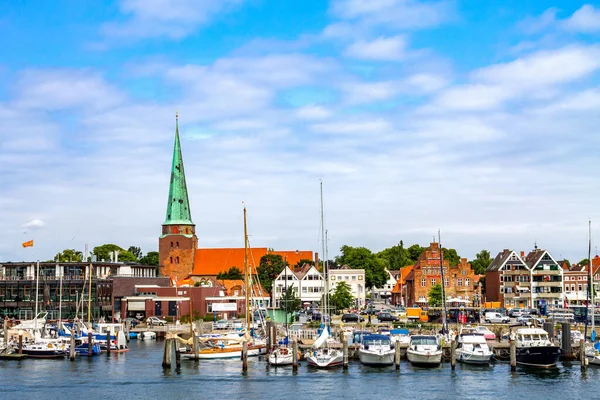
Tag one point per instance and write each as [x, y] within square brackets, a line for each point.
[395, 257]
[269, 267]
[434, 297]
[151, 258]
[289, 302]
[232, 273]
[363, 258]
[451, 255]
[584, 262]
[136, 251]
[414, 252]
[342, 296]
[481, 262]
[69, 255]
[103, 253]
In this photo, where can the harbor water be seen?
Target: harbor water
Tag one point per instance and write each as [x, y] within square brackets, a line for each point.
[138, 375]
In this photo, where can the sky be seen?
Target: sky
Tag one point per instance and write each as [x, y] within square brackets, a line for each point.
[479, 119]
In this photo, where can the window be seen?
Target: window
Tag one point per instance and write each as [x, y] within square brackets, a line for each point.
[467, 282]
[353, 277]
[333, 277]
[171, 259]
[433, 282]
[446, 282]
[579, 287]
[171, 244]
[304, 290]
[464, 271]
[460, 281]
[572, 288]
[177, 244]
[347, 277]
[566, 288]
[423, 282]
[360, 277]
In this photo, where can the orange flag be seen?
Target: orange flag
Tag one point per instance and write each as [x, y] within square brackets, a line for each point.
[28, 243]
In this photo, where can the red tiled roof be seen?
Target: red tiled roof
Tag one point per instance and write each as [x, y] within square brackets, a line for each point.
[209, 262]
[402, 278]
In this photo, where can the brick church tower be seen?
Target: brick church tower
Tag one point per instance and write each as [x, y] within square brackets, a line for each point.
[178, 242]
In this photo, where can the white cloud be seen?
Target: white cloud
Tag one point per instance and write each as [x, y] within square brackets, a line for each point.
[472, 97]
[34, 224]
[367, 92]
[586, 19]
[426, 83]
[380, 49]
[171, 18]
[64, 88]
[546, 67]
[371, 127]
[397, 14]
[313, 112]
[533, 25]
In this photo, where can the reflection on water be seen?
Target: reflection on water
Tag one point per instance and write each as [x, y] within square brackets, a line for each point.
[138, 374]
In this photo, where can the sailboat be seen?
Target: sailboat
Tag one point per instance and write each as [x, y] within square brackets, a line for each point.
[591, 351]
[231, 346]
[321, 355]
[283, 355]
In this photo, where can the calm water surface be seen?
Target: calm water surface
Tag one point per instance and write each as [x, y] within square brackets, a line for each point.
[138, 374]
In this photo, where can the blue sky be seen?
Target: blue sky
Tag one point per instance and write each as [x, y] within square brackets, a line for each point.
[477, 118]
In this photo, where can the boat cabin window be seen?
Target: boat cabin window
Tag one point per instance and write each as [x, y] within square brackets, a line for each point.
[424, 341]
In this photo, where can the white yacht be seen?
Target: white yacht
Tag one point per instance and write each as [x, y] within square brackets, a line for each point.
[472, 348]
[281, 356]
[424, 351]
[376, 351]
[534, 349]
[321, 356]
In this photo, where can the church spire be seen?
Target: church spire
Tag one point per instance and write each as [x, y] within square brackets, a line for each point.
[178, 207]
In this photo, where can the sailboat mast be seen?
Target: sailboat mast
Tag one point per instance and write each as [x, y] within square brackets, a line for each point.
[325, 274]
[444, 321]
[89, 297]
[589, 286]
[60, 304]
[37, 283]
[246, 274]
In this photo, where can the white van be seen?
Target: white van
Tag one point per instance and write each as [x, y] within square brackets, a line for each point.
[496, 318]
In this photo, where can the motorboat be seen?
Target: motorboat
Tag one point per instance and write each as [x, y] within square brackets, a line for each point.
[281, 356]
[424, 351]
[376, 351]
[147, 335]
[534, 349]
[472, 348]
[400, 336]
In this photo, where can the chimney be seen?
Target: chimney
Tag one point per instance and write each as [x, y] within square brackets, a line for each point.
[522, 254]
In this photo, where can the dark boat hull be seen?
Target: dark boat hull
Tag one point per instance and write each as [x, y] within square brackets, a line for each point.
[538, 357]
[44, 353]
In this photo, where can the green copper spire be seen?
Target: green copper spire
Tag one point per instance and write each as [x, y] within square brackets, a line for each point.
[178, 207]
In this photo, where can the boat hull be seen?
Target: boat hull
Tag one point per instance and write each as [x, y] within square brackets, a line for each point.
[538, 357]
[330, 360]
[375, 358]
[472, 358]
[281, 357]
[234, 352]
[428, 359]
[44, 353]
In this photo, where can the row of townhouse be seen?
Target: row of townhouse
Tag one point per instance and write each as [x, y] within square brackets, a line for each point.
[575, 283]
[308, 284]
[516, 280]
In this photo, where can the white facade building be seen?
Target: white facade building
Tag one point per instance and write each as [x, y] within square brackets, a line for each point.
[355, 278]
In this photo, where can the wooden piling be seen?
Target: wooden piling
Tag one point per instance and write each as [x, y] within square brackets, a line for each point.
[5, 332]
[565, 331]
[582, 358]
[90, 343]
[513, 355]
[295, 355]
[345, 361]
[108, 343]
[20, 343]
[196, 348]
[166, 362]
[397, 356]
[269, 324]
[177, 354]
[72, 346]
[245, 356]
[453, 354]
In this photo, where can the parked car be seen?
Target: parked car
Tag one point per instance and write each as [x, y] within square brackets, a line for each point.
[529, 319]
[496, 318]
[156, 321]
[487, 334]
[369, 311]
[515, 312]
[386, 317]
[352, 318]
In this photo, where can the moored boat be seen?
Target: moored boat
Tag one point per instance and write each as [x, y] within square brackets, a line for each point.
[376, 351]
[424, 351]
[281, 356]
[534, 349]
[472, 348]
